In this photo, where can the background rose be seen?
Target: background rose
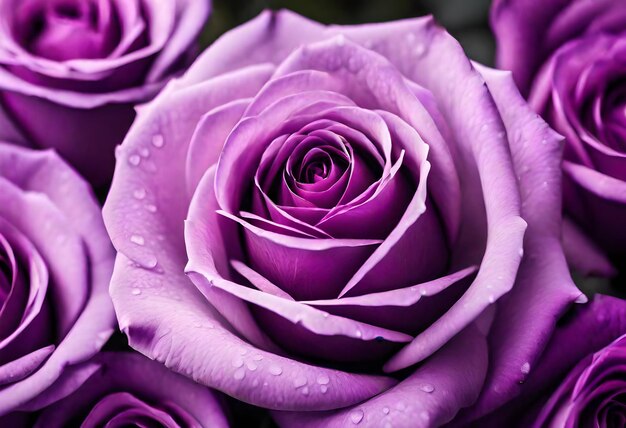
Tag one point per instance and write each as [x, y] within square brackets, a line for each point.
[71, 71]
[579, 380]
[264, 322]
[55, 265]
[568, 57]
[123, 389]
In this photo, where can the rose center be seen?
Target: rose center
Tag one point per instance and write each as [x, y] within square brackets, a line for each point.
[316, 166]
[69, 29]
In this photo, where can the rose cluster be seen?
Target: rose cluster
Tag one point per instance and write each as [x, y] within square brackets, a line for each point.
[320, 225]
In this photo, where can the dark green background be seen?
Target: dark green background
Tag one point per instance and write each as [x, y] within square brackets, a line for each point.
[467, 20]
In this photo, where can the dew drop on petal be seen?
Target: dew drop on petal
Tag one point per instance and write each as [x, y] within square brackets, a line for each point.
[158, 141]
[134, 160]
[139, 194]
[357, 416]
[299, 382]
[323, 380]
[137, 239]
[525, 368]
[386, 410]
[136, 292]
[276, 370]
[427, 387]
[239, 374]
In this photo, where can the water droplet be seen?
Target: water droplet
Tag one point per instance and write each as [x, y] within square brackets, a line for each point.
[386, 410]
[323, 380]
[305, 390]
[419, 49]
[491, 298]
[427, 387]
[239, 374]
[423, 292]
[276, 370]
[137, 239]
[257, 357]
[299, 382]
[252, 366]
[341, 40]
[144, 152]
[158, 141]
[544, 141]
[237, 362]
[357, 416]
[136, 292]
[151, 208]
[323, 389]
[147, 261]
[134, 160]
[139, 193]
[525, 368]
[521, 252]
[581, 299]
[325, 314]
[243, 351]
[359, 334]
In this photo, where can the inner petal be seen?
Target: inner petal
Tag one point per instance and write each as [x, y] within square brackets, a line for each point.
[62, 30]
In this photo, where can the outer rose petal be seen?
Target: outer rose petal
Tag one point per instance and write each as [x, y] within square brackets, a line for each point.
[46, 174]
[430, 397]
[544, 289]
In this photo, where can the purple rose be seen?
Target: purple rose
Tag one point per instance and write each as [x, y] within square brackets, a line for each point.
[123, 389]
[346, 202]
[593, 393]
[568, 57]
[580, 378]
[55, 265]
[71, 71]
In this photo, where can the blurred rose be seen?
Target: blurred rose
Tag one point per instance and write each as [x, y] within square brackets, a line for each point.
[568, 56]
[123, 390]
[55, 266]
[353, 207]
[71, 71]
[580, 378]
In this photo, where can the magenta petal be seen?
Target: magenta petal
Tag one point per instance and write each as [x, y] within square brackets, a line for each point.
[45, 175]
[543, 284]
[430, 397]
